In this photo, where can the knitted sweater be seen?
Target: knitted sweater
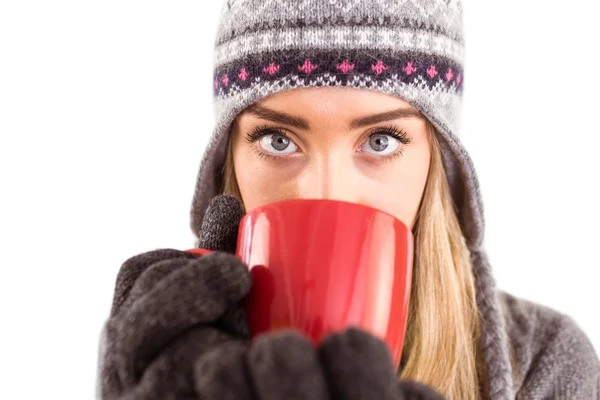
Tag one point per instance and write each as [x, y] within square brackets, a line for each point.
[551, 356]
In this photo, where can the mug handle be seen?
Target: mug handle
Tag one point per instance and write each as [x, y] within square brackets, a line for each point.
[199, 252]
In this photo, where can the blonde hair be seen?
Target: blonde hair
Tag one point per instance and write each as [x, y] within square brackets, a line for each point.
[441, 342]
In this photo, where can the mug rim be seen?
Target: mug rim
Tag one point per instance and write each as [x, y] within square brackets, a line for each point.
[330, 201]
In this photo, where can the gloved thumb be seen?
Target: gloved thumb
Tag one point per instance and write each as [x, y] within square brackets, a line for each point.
[220, 224]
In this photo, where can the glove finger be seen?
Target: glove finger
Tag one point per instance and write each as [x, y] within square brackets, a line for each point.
[149, 276]
[235, 322]
[134, 267]
[412, 390]
[154, 274]
[285, 366]
[199, 292]
[110, 383]
[220, 224]
[220, 374]
[171, 374]
[358, 366]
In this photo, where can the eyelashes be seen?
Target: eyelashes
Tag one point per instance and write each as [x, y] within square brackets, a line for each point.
[260, 132]
[392, 131]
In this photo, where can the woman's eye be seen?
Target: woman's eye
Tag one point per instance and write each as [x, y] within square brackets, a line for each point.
[276, 143]
[380, 144]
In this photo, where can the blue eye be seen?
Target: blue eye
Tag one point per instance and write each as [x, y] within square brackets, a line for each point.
[276, 143]
[386, 142]
[380, 144]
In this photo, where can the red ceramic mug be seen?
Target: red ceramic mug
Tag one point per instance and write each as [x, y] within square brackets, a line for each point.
[320, 266]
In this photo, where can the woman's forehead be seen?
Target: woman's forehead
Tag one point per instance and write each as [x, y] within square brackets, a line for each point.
[332, 99]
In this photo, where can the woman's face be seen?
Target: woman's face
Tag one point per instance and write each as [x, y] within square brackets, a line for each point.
[336, 143]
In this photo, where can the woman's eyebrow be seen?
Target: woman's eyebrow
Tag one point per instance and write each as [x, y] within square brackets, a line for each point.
[400, 113]
[299, 122]
[276, 116]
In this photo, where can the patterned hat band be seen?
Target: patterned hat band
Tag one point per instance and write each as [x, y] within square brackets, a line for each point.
[326, 68]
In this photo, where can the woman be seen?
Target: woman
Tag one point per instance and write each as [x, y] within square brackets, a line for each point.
[355, 101]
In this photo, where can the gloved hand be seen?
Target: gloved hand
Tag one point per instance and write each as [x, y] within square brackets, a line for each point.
[176, 331]
[352, 365]
[170, 307]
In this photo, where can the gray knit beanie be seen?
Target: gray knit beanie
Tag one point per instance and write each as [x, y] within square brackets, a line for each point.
[409, 48]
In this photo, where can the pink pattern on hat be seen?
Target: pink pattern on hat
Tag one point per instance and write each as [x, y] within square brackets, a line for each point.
[432, 72]
[449, 75]
[216, 83]
[459, 79]
[243, 75]
[307, 67]
[379, 67]
[272, 69]
[225, 80]
[345, 67]
[409, 69]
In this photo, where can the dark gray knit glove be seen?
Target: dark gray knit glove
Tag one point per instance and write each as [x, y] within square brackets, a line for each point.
[170, 307]
[352, 365]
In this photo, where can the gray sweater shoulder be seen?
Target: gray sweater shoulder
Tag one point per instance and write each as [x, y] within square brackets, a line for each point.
[552, 356]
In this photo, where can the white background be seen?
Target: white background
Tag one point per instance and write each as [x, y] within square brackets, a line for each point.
[104, 111]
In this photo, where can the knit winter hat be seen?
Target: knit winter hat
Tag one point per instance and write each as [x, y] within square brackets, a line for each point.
[412, 49]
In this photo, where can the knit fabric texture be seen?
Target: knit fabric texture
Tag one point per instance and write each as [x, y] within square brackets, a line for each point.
[412, 49]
